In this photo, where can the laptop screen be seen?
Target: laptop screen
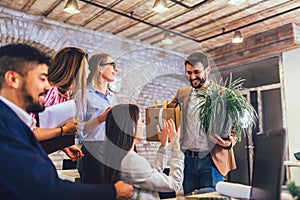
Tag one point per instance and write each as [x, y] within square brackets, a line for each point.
[268, 165]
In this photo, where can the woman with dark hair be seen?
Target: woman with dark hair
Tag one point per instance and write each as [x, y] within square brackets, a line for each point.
[124, 128]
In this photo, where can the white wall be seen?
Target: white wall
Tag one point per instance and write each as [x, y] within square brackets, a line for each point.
[291, 74]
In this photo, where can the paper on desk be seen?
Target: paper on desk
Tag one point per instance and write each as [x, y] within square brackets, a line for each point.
[58, 114]
[234, 189]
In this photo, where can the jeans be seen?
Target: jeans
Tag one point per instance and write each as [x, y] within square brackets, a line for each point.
[200, 173]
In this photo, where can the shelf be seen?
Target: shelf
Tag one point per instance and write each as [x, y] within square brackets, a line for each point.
[291, 163]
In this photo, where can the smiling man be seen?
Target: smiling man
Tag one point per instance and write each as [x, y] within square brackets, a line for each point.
[207, 159]
[25, 86]
[26, 172]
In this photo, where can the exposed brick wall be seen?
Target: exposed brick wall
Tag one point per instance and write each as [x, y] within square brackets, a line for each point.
[146, 72]
[139, 64]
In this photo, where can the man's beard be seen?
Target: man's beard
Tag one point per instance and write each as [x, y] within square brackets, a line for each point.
[34, 107]
[31, 106]
[202, 82]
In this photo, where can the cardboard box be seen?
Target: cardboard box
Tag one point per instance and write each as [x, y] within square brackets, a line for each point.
[154, 117]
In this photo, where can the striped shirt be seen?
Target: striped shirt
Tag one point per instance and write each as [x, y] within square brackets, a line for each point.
[54, 97]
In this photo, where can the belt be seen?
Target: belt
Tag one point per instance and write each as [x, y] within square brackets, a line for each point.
[196, 154]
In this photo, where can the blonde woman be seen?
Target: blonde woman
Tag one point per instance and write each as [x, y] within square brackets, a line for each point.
[99, 100]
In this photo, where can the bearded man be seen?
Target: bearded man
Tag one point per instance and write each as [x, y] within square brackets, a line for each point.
[207, 159]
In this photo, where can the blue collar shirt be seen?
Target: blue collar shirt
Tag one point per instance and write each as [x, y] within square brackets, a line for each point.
[96, 104]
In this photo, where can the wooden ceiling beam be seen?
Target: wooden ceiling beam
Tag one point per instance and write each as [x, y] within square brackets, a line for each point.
[262, 45]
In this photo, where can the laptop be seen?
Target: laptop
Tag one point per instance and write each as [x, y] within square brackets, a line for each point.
[268, 168]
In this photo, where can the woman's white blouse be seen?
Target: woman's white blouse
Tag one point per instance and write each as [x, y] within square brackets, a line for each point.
[149, 180]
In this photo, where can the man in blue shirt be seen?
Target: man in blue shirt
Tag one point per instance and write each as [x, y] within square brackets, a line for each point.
[26, 172]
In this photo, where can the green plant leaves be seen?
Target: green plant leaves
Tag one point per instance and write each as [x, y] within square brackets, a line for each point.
[220, 105]
[293, 189]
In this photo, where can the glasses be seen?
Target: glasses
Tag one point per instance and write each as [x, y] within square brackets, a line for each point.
[196, 72]
[113, 64]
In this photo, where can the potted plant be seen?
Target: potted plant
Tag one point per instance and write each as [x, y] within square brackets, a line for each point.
[222, 108]
[293, 189]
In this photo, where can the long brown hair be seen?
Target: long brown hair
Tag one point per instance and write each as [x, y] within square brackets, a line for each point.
[68, 69]
[120, 128]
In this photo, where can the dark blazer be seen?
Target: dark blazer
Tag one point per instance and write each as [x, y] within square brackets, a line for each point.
[223, 159]
[26, 172]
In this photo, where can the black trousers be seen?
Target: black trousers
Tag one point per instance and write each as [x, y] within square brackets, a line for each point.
[89, 168]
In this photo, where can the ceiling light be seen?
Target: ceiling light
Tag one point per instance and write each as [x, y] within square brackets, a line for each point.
[237, 37]
[160, 6]
[236, 2]
[167, 39]
[71, 7]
